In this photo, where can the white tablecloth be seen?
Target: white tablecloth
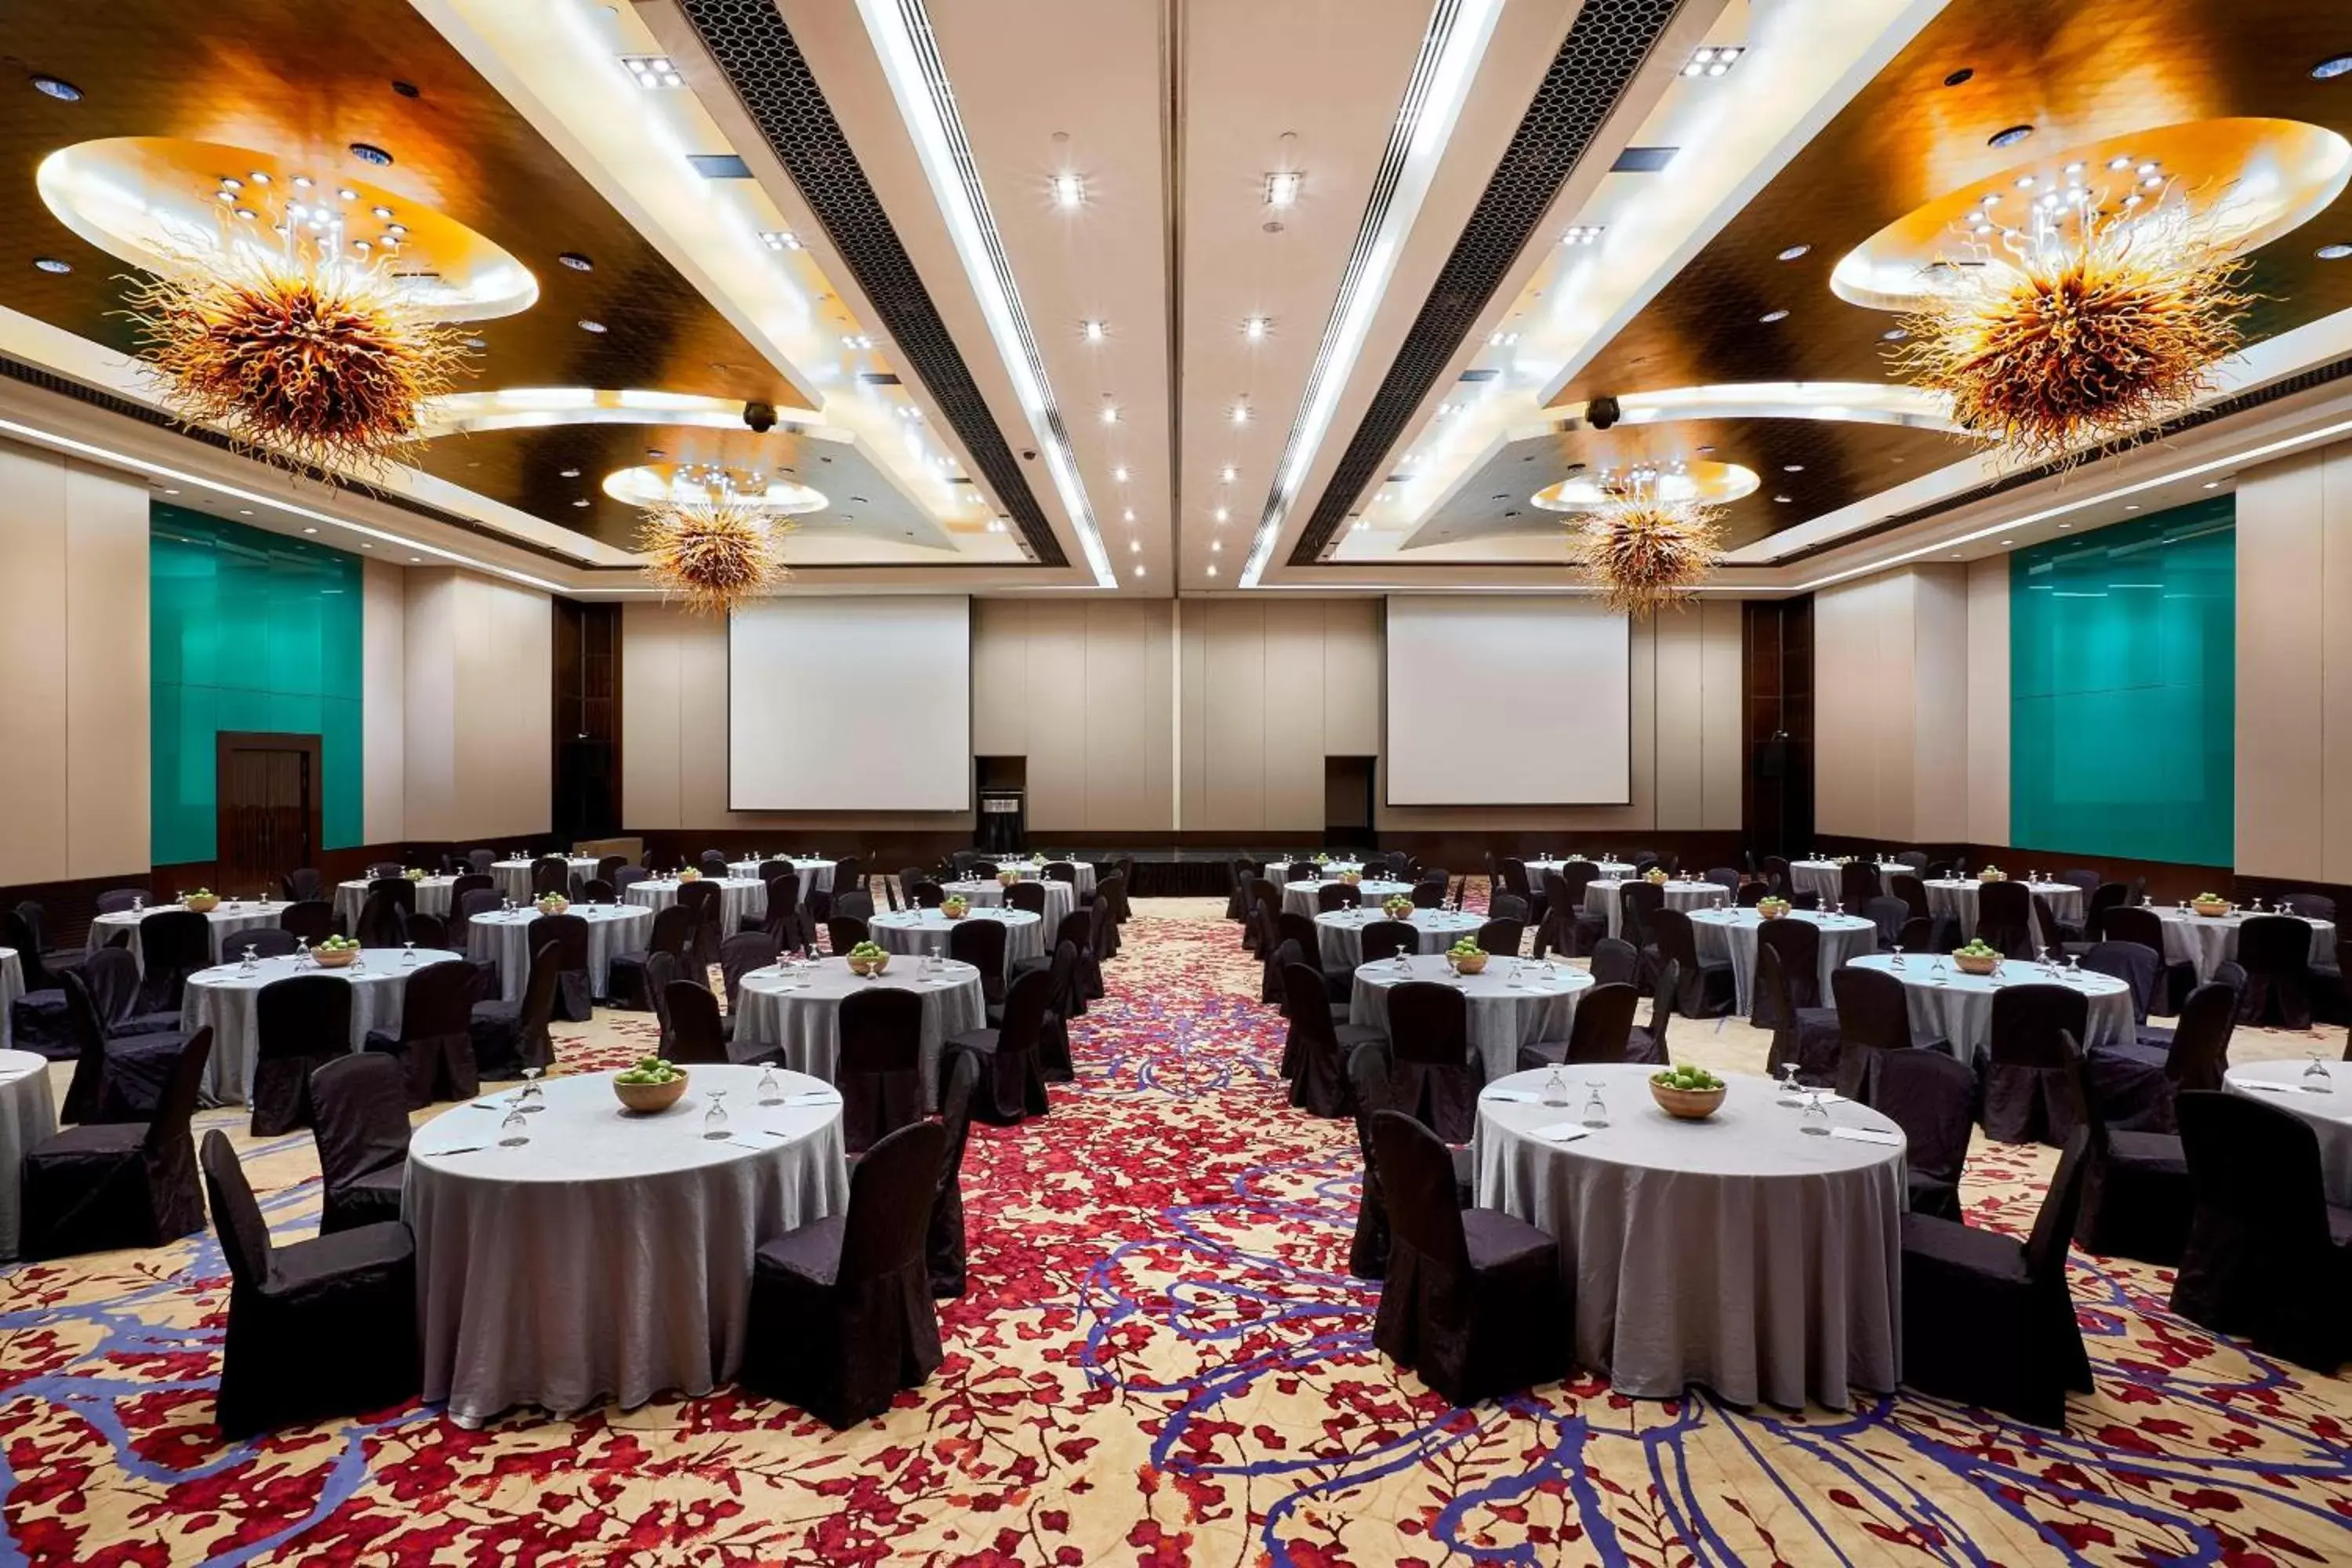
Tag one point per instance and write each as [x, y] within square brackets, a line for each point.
[1503, 1016]
[1736, 1253]
[799, 1011]
[2329, 1113]
[27, 1115]
[1299, 898]
[514, 876]
[506, 938]
[1061, 897]
[815, 876]
[611, 1256]
[12, 985]
[1826, 877]
[432, 899]
[739, 899]
[1958, 1007]
[226, 919]
[918, 932]
[1341, 932]
[1279, 871]
[1034, 870]
[230, 1001]
[1731, 933]
[1612, 869]
[1600, 898]
[1957, 896]
[2208, 942]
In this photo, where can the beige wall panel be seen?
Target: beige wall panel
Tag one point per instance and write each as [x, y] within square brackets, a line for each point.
[1722, 697]
[1234, 739]
[383, 702]
[1352, 673]
[1058, 718]
[1293, 709]
[1192, 717]
[2281, 620]
[649, 717]
[32, 631]
[1115, 736]
[1939, 706]
[106, 669]
[430, 684]
[999, 677]
[2335, 665]
[1988, 719]
[1845, 746]
[1681, 785]
[702, 726]
[1157, 801]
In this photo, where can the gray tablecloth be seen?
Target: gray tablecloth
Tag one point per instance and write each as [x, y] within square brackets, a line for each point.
[1735, 1253]
[805, 1021]
[739, 899]
[514, 876]
[27, 1115]
[1061, 897]
[1827, 878]
[230, 1001]
[1610, 869]
[1731, 933]
[432, 899]
[1279, 871]
[1957, 898]
[815, 876]
[917, 932]
[1034, 870]
[12, 985]
[1600, 898]
[1959, 1009]
[225, 919]
[1298, 897]
[1503, 1016]
[506, 938]
[2329, 1113]
[2208, 942]
[611, 1256]
[1341, 932]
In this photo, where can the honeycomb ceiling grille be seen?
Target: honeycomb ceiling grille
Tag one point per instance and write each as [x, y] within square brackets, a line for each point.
[750, 43]
[1603, 48]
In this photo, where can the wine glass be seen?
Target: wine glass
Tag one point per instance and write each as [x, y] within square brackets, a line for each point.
[772, 1088]
[532, 1098]
[515, 1131]
[2318, 1068]
[408, 952]
[249, 965]
[714, 1120]
[1793, 1093]
[1596, 1110]
[1899, 957]
[1555, 1090]
[1816, 1122]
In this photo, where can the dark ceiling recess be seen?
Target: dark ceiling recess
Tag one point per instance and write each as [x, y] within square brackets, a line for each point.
[752, 45]
[1604, 48]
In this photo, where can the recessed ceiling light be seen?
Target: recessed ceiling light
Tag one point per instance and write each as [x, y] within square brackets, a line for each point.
[1792, 468]
[1583, 234]
[1069, 190]
[1138, 568]
[588, 326]
[1212, 568]
[1110, 413]
[2333, 252]
[381, 212]
[1093, 330]
[1282, 189]
[245, 512]
[478, 342]
[348, 196]
[1240, 413]
[1794, 251]
[52, 263]
[366, 546]
[653, 71]
[1502, 340]
[1784, 499]
[2006, 542]
[2212, 484]
[2024, 182]
[1229, 473]
[310, 531]
[1714, 59]
[581, 501]
[577, 262]
[1126, 514]
[857, 341]
[781, 239]
[65, 91]
[1135, 547]
[570, 473]
[1959, 75]
[2131, 506]
[2009, 137]
[369, 154]
[2328, 69]
[1769, 317]
[1120, 474]
[1216, 546]
[1893, 335]
[1255, 327]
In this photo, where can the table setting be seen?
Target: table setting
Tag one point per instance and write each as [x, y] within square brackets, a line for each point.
[226, 996]
[1510, 1002]
[794, 1008]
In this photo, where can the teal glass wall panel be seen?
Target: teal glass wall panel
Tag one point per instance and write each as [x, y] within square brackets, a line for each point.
[2123, 689]
[249, 630]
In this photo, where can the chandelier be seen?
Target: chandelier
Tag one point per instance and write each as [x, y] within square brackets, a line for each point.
[1645, 550]
[713, 552]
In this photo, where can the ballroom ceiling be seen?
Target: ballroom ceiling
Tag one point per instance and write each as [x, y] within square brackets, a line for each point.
[1158, 295]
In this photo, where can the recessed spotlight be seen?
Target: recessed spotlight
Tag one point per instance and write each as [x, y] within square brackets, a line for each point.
[2328, 69]
[1241, 414]
[384, 213]
[1583, 234]
[310, 531]
[1212, 568]
[1502, 340]
[2024, 182]
[1792, 468]
[856, 342]
[478, 342]
[2009, 137]
[577, 262]
[1769, 317]
[247, 214]
[2333, 252]
[348, 196]
[1110, 413]
[2131, 506]
[653, 71]
[301, 182]
[223, 195]
[1138, 568]
[2006, 542]
[588, 326]
[1126, 514]
[1282, 189]
[1784, 499]
[1120, 474]
[369, 154]
[64, 91]
[1135, 547]
[1216, 546]
[245, 512]
[1229, 473]
[581, 501]
[1714, 59]
[52, 263]
[1069, 190]
[1254, 329]
[1093, 330]
[1794, 251]
[781, 239]
[2212, 484]
[1223, 514]
[570, 473]
[1959, 75]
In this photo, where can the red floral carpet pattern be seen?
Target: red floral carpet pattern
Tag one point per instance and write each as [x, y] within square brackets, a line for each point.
[1161, 1361]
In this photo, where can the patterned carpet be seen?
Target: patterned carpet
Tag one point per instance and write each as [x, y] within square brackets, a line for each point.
[1161, 1361]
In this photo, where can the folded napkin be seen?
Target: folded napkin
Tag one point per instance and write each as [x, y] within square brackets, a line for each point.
[2269, 1088]
[1511, 1096]
[1562, 1132]
[814, 1097]
[1866, 1135]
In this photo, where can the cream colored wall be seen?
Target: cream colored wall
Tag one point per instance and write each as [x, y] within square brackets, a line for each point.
[2295, 645]
[477, 674]
[1084, 690]
[1267, 690]
[1987, 816]
[73, 637]
[383, 702]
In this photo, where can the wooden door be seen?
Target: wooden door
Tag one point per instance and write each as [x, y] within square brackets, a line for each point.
[268, 807]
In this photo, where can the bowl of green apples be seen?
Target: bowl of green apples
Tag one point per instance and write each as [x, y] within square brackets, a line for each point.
[651, 1086]
[1687, 1093]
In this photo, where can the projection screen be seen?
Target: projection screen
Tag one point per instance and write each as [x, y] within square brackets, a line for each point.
[1508, 701]
[856, 704]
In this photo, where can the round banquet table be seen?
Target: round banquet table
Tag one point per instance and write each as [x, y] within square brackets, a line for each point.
[432, 898]
[610, 1258]
[1611, 868]
[798, 1012]
[816, 876]
[1737, 1253]
[2328, 1111]
[505, 938]
[740, 898]
[226, 919]
[917, 932]
[1503, 1016]
[1600, 898]
[2208, 942]
[1958, 1007]
[1279, 871]
[1298, 897]
[1061, 897]
[1341, 932]
[27, 1115]
[227, 998]
[12, 985]
[1731, 933]
[514, 876]
[1957, 896]
[1827, 878]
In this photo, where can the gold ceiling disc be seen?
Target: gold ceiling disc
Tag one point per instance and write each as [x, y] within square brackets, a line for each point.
[1706, 483]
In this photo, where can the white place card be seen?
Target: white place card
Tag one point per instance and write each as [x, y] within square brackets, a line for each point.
[1510, 1096]
[1866, 1135]
[813, 1098]
[2269, 1088]
[1562, 1132]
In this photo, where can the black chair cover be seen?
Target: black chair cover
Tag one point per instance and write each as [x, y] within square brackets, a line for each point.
[1809, 1037]
[1932, 1097]
[360, 1104]
[311, 920]
[381, 922]
[174, 944]
[111, 976]
[2267, 1253]
[119, 1079]
[2276, 953]
[1857, 885]
[944, 1244]
[2133, 1082]
[1318, 1047]
[625, 975]
[511, 1036]
[302, 885]
[841, 1314]
[568, 934]
[1615, 961]
[1011, 1084]
[1054, 1062]
[1601, 1031]
[1647, 1043]
[436, 1044]
[843, 933]
[881, 1069]
[738, 956]
[1433, 1077]
[2136, 1192]
[1705, 989]
[301, 1023]
[1385, 938]
[698, 1035]
[1799, 943]
[979, 942]
[1502, 935]
[36, 1020]
[2005, 918]
[2029, 1066]
[1874, 1018]
[119, 1183]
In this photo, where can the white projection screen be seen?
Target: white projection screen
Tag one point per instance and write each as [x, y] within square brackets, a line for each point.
[1500, 700]
[856, 704]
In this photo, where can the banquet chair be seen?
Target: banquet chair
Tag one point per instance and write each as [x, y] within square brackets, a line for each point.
[1706, 987]
[1060, 871]
[713, 863]
[1028, 896]
[2138, 967]
[261, 942]
[1429, 893]
[464, 909]
[1433, 1077]
[1264, 900]
[628, 876]
[384, 871]
[698, 1035]
[849, 876]
[1012, 1082]
[978, 868]
[174, 943]
[1507, 907]
[2309, 905]
[1601, 1031]
[2268, 1258]
[881, 1069]
[2136, 1192]
[1805, 899]
[481, 859]
[841, 1315]
[2127, 922]
[1317, 1051]
[1939, 870]
[299, 1024]
[1776, 874]
[1918, 934]
[466, 882]
[661, 972]
[511, 1036]
[316, 1329]
[434, 1045]
[569, 935]
[1932, 1097]
[1724, 877]
[302, 884]
[1110, 903]
[1887, 913]
[1368, 1083]
[1912, 891]
[1516, 883]
[310, 920]
[1987, 1320]
[1333, 896]
[943, 1235]
[397, 888]
[381, 923]
[925, 894]
[1799, 943]
[843, 933]
[107, 1185]
[1502, 936]
[857, 904]
[1750, 894]
[1857, 884]
[2135, 1082]
[979, 941]
[2106, 896]
[550, 874]
[1615, 961]
[1472, 1299]
[1055, 1063]
[627, 976]
[1382, 940]
[429, 932]
[1077, 929]
[2276, 953]
[596, 891]
[738, 956]
[1873, 1013]
[1647, 1042]
[1302, 871]
[2055, 933]
[609, 866]
[2029, 1064]
[123, 1078]
[1637, 902]
[111, 975]
[1804, 1033]
[703, 899]
[2005, 918]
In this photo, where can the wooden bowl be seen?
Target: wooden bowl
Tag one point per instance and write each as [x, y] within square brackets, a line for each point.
[2213, 910]
[1688, 1104]
[552, 906]
[868, 966]
[1775, 911]
[335, 957]
[1476, 963]
[954, 912]
[1975, 965]
[650, 1099]
[202, 903]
